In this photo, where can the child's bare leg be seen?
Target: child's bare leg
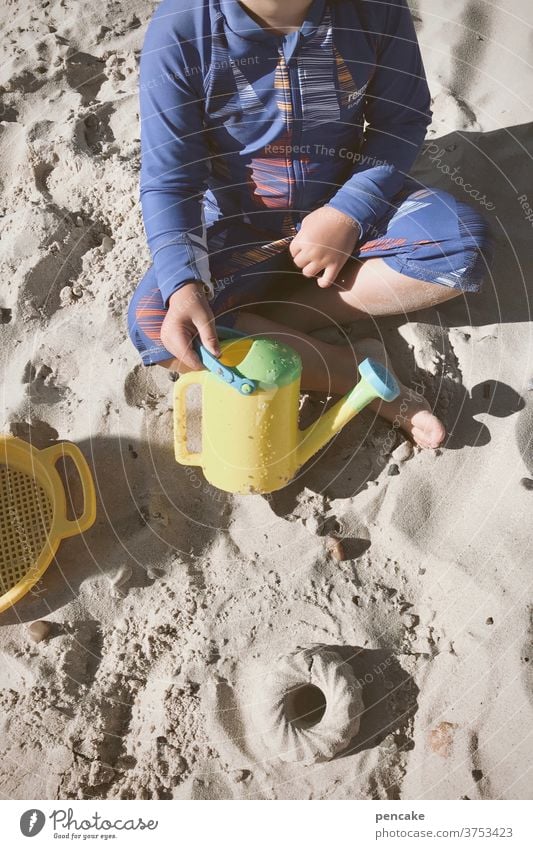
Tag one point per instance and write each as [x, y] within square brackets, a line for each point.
[326, 368]
[369, 288]
[333, 369]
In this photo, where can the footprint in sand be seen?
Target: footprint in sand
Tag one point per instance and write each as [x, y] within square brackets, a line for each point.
[94, 131]
[141, 388]
[40, 291]
[81, 657]
[41, 385]
[8, 114]
[85, 74]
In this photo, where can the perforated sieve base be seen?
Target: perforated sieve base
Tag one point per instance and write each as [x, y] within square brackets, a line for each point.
[26, 515]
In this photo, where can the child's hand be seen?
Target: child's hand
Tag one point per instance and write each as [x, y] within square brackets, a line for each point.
[189, 313]
[325, 241]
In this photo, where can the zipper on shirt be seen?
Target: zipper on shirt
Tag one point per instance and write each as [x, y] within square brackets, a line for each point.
[297, 130]
[296, 113]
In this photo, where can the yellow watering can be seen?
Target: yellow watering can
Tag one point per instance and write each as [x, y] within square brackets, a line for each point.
[251, 441]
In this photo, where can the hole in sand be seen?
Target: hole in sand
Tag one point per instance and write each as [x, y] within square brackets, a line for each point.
[305, 706]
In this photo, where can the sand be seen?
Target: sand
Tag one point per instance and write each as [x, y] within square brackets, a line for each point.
[169, 612]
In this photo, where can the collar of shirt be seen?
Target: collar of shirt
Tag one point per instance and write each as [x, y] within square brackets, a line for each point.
[242, 24]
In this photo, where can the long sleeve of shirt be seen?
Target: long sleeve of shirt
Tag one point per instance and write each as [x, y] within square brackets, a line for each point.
[234, 120]
[174, 160]
[397, 113]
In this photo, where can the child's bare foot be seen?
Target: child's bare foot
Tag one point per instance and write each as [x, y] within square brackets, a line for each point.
[410, 411]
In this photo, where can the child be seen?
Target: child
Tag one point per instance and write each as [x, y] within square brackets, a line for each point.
[277, 136]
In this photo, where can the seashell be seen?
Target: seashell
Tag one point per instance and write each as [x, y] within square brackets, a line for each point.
[66, 295]
[441, 739]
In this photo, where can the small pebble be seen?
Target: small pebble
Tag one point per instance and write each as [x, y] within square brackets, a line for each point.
[335, 548]
[241, 775]
[40, 631]
[489, 621]
[77, 291]
[107, 244]
[393, 470]
[66, 295]
[527, 483]
[100, 773]
[190, 607]
[410, 621]
[403, 452]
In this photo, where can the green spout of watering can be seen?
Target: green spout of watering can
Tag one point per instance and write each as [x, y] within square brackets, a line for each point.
[376, 382]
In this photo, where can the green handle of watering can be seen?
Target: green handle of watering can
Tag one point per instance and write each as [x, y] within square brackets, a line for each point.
[228, 375]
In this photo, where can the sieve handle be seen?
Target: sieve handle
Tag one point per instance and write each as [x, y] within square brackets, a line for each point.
[66, 527]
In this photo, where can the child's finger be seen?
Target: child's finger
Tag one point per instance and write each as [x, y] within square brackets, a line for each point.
[329, 277]
[208, 334]
[301, 258]
[181, 346]
[312, 269]
[294, 247]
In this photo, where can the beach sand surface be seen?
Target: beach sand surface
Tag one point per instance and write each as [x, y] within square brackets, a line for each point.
[171, 610]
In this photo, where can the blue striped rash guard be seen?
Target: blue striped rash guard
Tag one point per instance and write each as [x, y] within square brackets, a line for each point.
[240, 124]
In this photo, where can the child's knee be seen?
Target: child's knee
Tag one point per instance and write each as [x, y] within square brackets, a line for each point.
[146, 313]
